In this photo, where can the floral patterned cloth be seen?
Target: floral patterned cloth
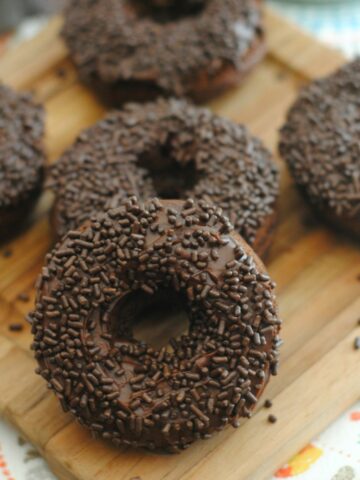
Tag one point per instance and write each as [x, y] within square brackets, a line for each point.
[333, 455]
[18, 459]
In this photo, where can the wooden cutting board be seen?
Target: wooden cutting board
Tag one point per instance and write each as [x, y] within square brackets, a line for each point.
[317, 272]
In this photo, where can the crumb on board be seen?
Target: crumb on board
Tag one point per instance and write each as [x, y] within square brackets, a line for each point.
[16, 327]
[61, 72]
[272, 419]
[23, 297]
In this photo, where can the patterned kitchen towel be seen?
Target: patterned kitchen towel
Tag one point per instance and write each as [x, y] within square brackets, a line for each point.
[333, 455]
[18, 459]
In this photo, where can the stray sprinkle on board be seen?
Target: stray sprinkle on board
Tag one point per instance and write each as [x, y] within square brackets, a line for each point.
[16, 327]
[272, 419]
[23, 297]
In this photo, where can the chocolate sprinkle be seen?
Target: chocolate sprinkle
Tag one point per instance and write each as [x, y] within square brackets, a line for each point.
[16, 327]
[186, 51]
[23, 297]
[61, 72]
[272, 419]
[21, 155]
[320, 142]
[164, 147]
[357, 343]
[123, 389]
[268, 404]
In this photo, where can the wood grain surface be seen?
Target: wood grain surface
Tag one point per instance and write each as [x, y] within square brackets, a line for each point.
[316, 270]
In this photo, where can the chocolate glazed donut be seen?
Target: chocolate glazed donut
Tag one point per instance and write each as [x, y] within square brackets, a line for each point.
[123, 389]
[22, 158]
[173, 150]
[320, 143]
[128, 50]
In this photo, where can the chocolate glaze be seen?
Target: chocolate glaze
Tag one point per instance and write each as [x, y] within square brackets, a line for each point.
[123, 389]
[22, 157]
[127, 50]
[320, 142]
[173, 149]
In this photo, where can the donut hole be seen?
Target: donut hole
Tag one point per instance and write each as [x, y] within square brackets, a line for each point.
[170, 178]
[152, 319]
[161, 11]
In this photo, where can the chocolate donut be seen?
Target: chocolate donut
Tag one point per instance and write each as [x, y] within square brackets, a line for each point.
[173, 150]
[321, 144]
[121, 388]
[128, 50]
[22, 157]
